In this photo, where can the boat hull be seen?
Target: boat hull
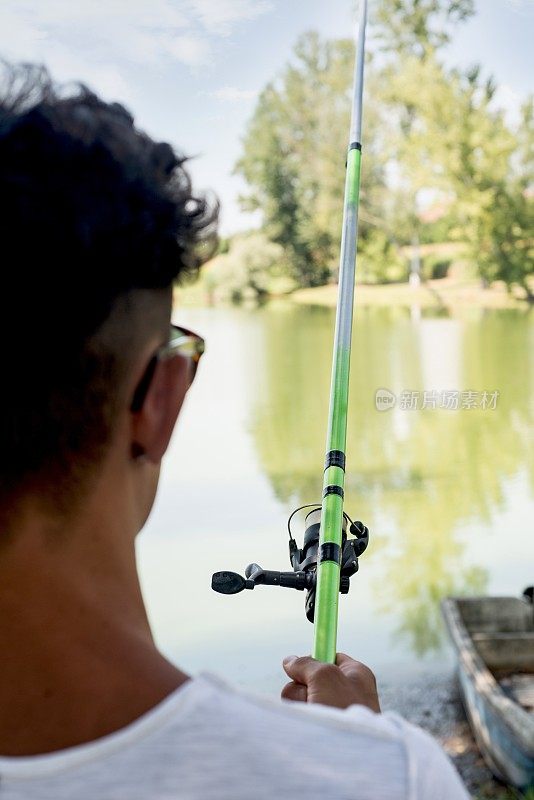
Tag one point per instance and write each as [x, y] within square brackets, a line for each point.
[504, 731]
[500, 749]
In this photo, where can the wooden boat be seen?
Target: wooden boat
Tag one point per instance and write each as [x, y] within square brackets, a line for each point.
[494, 641]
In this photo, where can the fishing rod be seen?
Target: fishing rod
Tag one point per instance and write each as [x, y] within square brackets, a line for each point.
[328, 558]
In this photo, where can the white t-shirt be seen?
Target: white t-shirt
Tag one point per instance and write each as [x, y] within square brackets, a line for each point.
[208, 741]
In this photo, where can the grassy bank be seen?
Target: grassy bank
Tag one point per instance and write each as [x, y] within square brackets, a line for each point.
[439, 293]
[444, 293]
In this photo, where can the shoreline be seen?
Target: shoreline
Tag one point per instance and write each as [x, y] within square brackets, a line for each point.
[440, 294]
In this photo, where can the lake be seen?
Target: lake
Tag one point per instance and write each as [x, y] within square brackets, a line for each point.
[444, 479]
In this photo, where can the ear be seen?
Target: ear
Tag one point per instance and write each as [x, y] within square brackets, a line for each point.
[153, 424]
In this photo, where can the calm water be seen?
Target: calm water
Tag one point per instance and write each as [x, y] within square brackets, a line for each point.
[448, 494]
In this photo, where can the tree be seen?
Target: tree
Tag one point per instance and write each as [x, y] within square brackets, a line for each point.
[448, 137]
[491, 176]
[428, 131]
[503, 234]
[412, 32]
[418, 27]
[294, 152]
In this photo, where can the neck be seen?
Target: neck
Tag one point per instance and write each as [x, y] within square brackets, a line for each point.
[77, 658]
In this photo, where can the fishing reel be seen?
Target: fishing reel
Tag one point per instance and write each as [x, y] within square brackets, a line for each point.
[304, 561]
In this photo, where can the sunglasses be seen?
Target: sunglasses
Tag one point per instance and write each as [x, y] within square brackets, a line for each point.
[181, 342]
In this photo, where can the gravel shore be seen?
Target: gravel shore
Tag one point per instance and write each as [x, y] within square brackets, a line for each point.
[435, 705]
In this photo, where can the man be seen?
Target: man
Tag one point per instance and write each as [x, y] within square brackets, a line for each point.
[97, 221]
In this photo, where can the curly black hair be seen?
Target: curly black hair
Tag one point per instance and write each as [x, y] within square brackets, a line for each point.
[91, 212]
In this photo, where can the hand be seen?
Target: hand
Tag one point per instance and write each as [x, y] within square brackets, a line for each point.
[343, 684]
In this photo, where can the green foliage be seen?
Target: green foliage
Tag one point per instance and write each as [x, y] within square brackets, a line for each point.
[428, 131]
[418, 27]
[436, 266]
[501, 229]
[502, 238]
[448, 136]
[380, 260]
[439, 230]
[249, 268]
[293, 157]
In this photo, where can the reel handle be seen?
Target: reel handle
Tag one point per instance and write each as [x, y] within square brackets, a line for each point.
[232, 583]
[229, 582]
[291, 580]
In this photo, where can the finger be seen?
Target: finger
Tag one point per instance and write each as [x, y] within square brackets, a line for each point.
[343, 658]
[349, 666]
[344, 661]
[295, 691]
[301, 669]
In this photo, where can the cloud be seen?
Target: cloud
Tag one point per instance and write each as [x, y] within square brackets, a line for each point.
[101, 41]
[186, 47]
[221, 14]
[135, 31]
[232, 94]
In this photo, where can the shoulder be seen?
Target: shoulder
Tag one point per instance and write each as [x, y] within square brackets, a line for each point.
[377, 747]
[381, 726]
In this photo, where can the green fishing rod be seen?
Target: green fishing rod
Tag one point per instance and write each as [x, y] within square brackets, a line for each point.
[329, 556]
[330, 542]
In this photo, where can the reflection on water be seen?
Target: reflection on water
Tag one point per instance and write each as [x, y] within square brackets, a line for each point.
[447, 494]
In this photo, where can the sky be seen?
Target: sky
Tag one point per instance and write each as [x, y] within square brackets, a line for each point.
[190, 70]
